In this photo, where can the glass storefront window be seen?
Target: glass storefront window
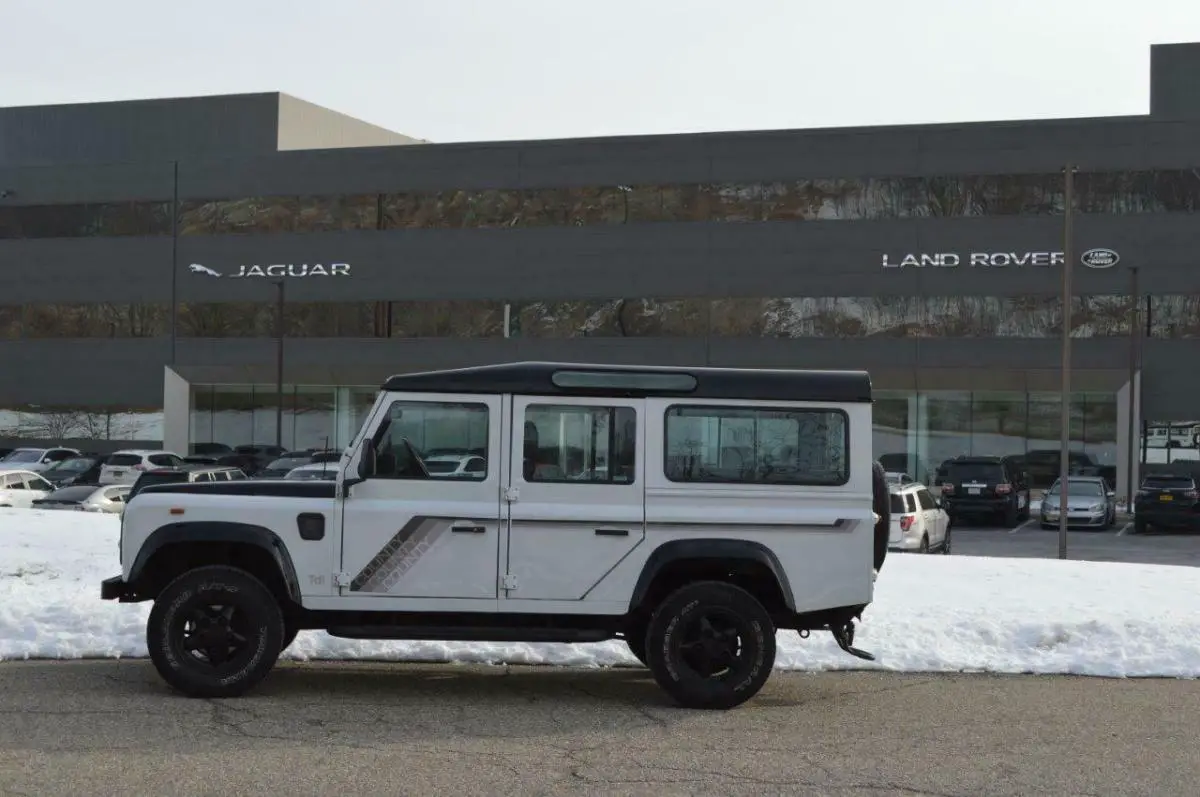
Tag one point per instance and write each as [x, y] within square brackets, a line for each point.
[916, 432]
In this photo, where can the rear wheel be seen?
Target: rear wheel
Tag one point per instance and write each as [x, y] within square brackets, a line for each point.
[1011, 515]
[924, 544]
[946, 544]
[711, 645]
[215, 632]
[1139, 526]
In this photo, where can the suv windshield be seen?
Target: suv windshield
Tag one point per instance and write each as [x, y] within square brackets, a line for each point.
[975, 471]
[72, 465]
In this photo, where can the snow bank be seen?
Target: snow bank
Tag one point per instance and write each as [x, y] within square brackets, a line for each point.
[932, 614]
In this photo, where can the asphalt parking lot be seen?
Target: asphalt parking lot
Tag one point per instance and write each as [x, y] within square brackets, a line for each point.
[109, 727]
[1118, 544]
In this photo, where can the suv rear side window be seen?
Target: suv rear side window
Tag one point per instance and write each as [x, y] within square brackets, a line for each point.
[745, 445]
[125, 460]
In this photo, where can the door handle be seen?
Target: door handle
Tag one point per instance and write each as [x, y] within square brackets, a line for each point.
[612, 532]
[468, 528]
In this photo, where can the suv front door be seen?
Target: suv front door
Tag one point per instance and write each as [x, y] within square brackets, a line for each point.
[407, 535]
[578, 468]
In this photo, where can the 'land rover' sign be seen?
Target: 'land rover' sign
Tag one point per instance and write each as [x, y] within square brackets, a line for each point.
[1099, 258]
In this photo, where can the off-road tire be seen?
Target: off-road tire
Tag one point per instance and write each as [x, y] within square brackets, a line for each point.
[259, 617]
[671, 625]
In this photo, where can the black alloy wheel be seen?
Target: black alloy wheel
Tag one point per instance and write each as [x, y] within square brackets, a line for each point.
[215, 632]
[711, 645]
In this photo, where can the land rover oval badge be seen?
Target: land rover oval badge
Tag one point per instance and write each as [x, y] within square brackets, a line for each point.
[1099, 258]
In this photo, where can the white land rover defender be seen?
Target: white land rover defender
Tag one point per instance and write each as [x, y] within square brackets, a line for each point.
[689, 511]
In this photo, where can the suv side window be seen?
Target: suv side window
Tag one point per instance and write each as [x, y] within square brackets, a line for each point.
[925, 499]
[573, 444]
[161, 460]
[752, 445]
[413, 427]
[14, 482]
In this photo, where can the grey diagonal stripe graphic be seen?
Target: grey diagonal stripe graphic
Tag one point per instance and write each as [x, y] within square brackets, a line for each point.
[400, 554]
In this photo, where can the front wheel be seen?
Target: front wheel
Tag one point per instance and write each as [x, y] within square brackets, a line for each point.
[215, 632]
[711, 645]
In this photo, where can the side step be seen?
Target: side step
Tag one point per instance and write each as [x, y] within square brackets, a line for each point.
[468, 634]
[844, 636]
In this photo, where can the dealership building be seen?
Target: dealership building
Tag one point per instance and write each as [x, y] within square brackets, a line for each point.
[145, 248]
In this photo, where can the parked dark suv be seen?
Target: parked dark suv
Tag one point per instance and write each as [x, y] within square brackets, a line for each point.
[1166, 501]
[985, 487]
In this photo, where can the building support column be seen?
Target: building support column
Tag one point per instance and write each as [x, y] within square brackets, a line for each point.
[1126, 405]
[177, 412]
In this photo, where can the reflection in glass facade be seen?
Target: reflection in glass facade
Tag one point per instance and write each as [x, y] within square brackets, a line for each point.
[85, 220]
[917, 431]
[314, 416]
[1162, 191]
[58, 424]
[793, 317]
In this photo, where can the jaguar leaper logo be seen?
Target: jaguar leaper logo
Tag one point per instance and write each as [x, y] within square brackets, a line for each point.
[277, 270]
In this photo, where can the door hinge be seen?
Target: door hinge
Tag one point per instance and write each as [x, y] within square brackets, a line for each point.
[342, 579]
[511, 494]
[509, 582]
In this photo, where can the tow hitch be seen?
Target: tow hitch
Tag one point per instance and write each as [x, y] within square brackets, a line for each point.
[844, 635]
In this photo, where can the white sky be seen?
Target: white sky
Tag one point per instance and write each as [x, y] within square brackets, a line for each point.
[457, 70]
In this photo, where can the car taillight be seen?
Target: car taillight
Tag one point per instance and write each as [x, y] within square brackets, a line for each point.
[1003, 489]
[1142, 493]
[947, 489]
[1190, 495]
[139, 466]
[906, 522]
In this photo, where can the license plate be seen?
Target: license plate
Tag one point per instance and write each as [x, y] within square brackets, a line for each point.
[973, 491]
[118, 473]
[1166, 498]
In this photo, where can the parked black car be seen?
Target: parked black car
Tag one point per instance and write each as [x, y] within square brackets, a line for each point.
[985, 487]
[1166, 501]
[75, 471]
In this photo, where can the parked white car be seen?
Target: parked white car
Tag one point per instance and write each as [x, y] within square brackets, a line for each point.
[456, 466]
[35, 459]
[918, 521]
[86, 498]
[124, 467]
[20, 488]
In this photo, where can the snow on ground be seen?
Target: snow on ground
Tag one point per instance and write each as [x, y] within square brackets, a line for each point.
[931, 613]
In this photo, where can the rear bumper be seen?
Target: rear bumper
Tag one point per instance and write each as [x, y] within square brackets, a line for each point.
[114, 588]
[1174, 520]
[976, 506]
